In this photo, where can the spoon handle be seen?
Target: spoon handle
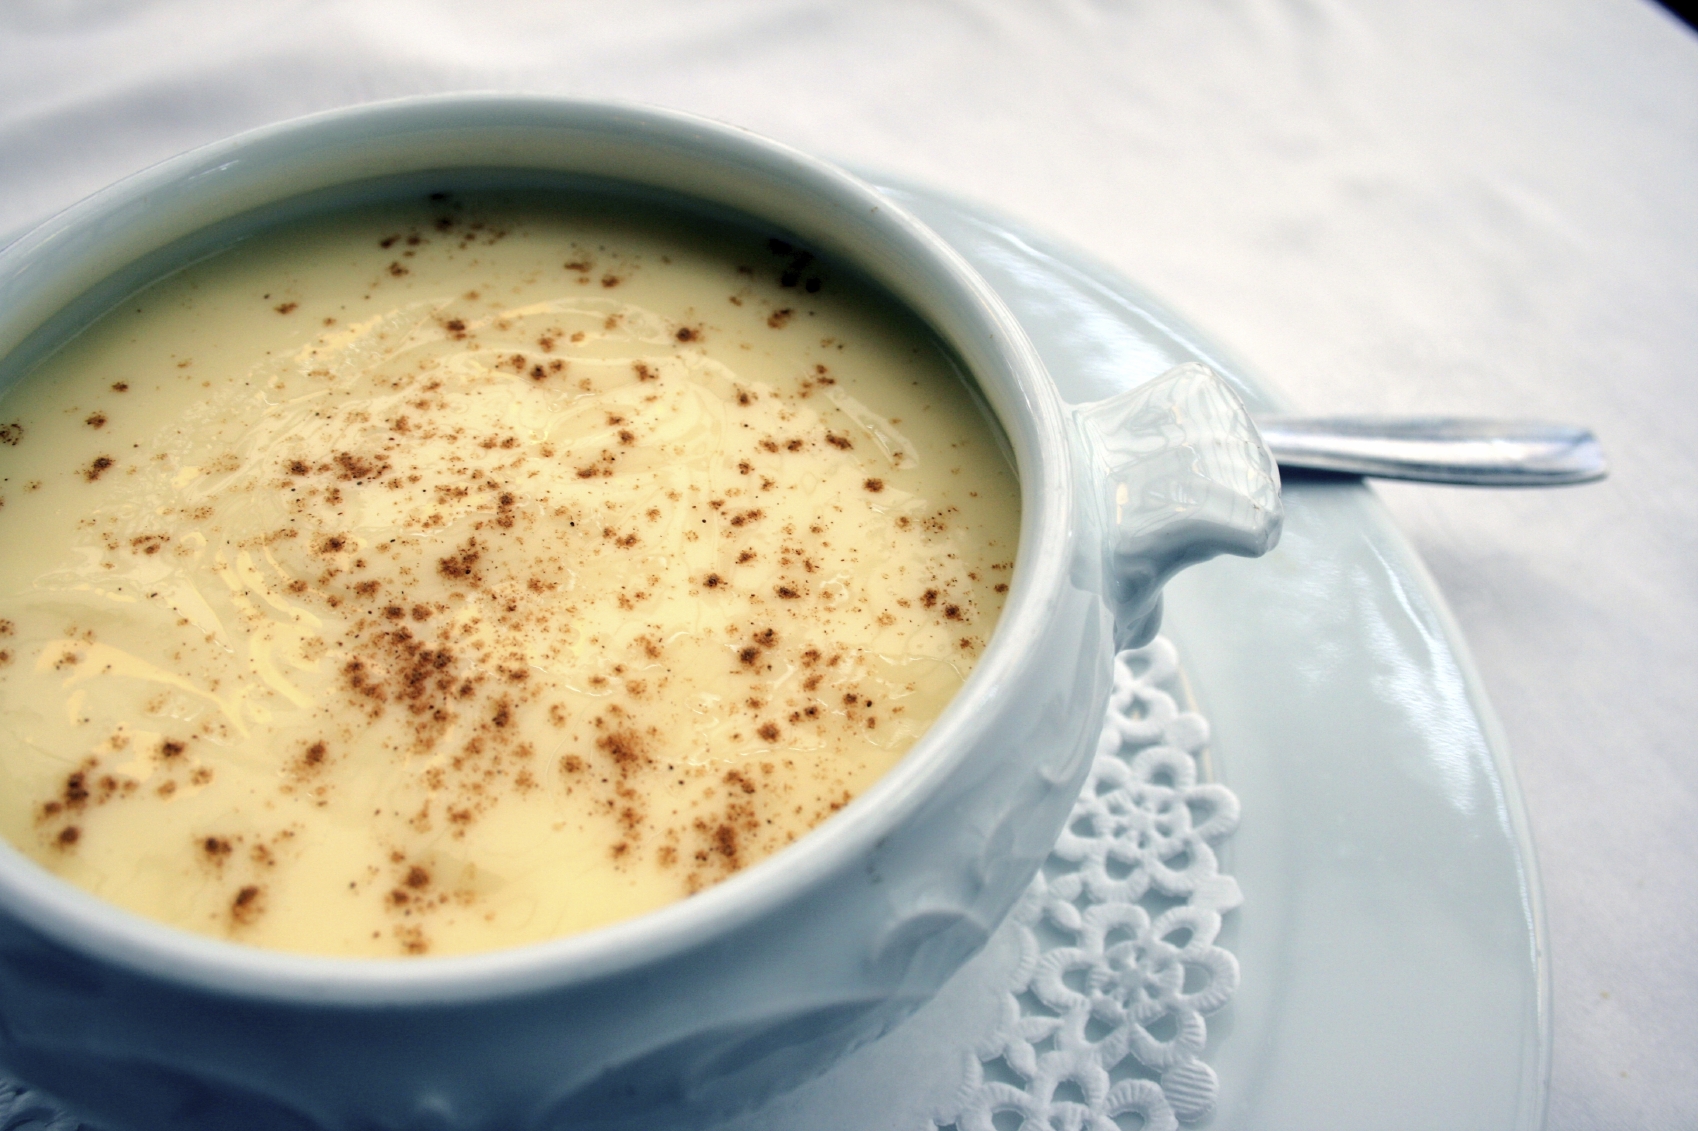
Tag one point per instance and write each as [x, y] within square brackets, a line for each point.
[1438, 449]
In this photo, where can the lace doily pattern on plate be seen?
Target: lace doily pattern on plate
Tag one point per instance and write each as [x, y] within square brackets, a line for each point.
[1104, 1015]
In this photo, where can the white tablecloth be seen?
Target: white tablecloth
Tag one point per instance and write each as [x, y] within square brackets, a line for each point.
[1487, 207]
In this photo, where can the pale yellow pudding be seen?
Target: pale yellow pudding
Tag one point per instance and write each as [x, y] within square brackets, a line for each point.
[458, 574]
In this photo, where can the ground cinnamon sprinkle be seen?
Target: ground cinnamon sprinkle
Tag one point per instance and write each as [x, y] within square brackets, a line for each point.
[248, 904]
[491, 593]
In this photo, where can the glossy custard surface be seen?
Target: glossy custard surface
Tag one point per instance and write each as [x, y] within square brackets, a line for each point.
[455, 574]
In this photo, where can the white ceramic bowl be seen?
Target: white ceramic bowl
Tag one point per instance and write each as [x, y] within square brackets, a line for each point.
[714, 1003]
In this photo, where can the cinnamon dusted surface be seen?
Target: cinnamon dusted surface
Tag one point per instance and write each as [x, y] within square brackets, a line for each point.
[462, 574]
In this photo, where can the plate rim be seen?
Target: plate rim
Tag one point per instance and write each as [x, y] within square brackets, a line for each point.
[1401, 559]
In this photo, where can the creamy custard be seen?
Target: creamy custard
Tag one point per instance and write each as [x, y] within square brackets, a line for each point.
[458, 574]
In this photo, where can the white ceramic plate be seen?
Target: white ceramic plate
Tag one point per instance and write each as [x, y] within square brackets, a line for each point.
[1391, 940]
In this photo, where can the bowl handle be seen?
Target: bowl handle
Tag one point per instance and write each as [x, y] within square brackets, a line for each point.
[1183, 476]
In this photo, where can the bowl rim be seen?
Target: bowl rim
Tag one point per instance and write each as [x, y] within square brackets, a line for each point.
[1020, 391]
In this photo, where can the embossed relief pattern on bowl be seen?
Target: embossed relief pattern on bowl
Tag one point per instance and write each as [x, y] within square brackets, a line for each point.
[737, 993]
[707, 1006]
[1092, 976]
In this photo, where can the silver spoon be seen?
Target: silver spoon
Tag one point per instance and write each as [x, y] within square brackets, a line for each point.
[1438, 449]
